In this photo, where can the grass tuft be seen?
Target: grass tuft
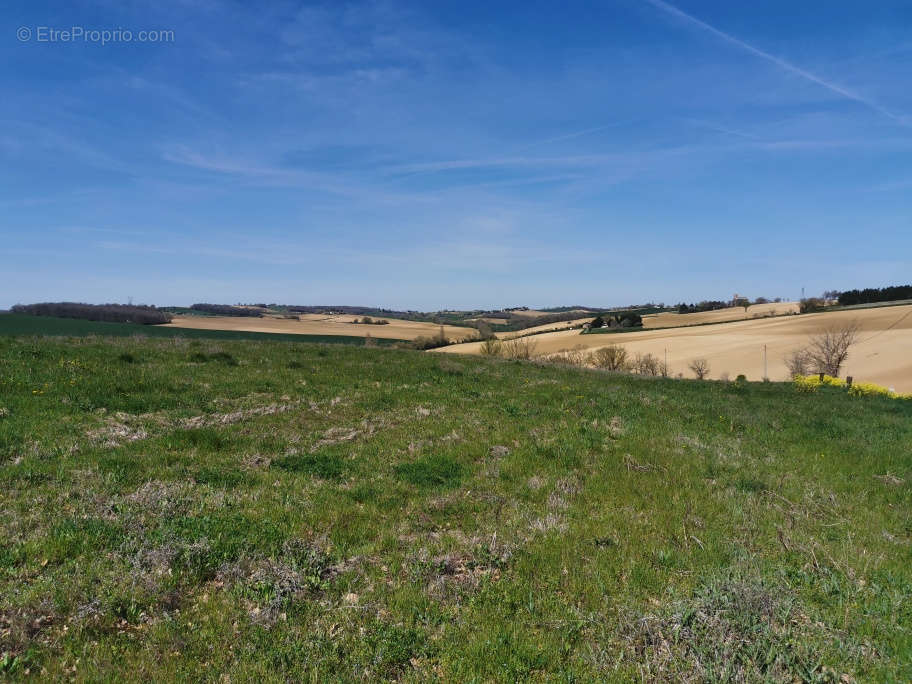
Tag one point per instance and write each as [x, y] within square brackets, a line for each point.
[435, 470]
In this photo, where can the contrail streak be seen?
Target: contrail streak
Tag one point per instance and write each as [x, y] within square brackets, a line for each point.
[778, 61]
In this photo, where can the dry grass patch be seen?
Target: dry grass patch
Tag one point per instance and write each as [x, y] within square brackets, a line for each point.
[735, 629]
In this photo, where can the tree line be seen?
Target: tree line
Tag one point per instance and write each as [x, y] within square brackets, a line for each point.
[871, 295]
[109, 313]
[226, 310]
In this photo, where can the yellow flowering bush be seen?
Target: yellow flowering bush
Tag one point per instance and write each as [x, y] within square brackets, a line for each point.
[806, 383]
[869, 389]
[810, 383]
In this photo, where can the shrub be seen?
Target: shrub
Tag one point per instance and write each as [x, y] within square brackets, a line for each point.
[438, 340]
[647, 364]
[612, 358]
[869, 389]
[806, 383]
[798, 363]
[811, 305]
[519, 348]
[578, 356]
[700, 368]
[829, 349]
[825, 353]
[810, 383]
[491, 347]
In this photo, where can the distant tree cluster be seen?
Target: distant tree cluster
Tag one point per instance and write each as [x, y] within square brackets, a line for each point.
[226, 310]
[367, 320]
[433, 342]
[627, 319]
[811, 305]
[871, 295]
[110, 313]
[709, 305]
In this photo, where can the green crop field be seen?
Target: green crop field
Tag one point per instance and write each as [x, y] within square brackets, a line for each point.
[228, 510]
[20, 324]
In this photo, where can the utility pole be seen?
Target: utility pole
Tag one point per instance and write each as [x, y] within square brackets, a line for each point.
[765, 376]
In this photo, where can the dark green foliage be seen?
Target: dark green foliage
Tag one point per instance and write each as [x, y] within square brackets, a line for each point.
[219, 477]
[876, 294]
[74, 537]
[711, 305]
[750, 484]
[111, 313]
[226, 310]
[324, 466]
[394, 646]
[436, 470]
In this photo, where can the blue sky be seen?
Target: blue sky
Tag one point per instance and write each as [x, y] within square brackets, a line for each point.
[455, 154]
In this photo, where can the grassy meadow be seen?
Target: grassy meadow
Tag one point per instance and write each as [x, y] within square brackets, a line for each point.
[230, 510]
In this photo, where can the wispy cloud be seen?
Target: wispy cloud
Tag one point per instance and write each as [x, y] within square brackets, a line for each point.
[722, 129]
[778, 61]
[570, 136]
[257, 173]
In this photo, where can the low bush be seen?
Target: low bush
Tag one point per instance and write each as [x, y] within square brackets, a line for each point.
[647, 364]
[519, 348]
[700, 368]
[811, 305]
[434, 342]
[612, 358]
[491, 347]
[810, 384]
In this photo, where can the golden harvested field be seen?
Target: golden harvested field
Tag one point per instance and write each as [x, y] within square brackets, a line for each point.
[320, 324]
[533, 313]
[654, 321]
[733, 313]
[490, 321]
[882, 355]
[560, 325]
